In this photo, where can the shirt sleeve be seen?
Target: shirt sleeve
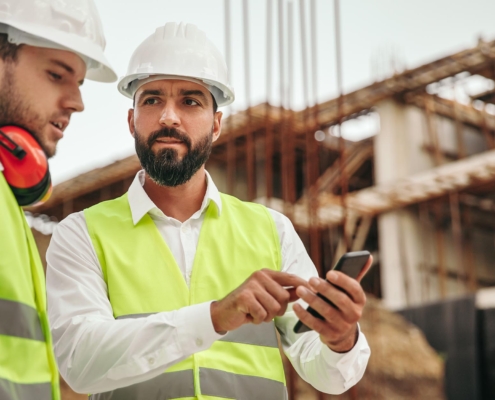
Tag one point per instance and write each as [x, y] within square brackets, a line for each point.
[95, 352]
[325, 370]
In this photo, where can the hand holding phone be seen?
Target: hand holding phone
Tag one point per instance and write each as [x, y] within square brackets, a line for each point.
[352, 264]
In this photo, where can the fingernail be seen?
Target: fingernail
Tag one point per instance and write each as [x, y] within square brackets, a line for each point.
[332, 276]
[314, 282]
[302, 290]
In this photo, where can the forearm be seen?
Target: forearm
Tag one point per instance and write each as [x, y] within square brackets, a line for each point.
[96, 354]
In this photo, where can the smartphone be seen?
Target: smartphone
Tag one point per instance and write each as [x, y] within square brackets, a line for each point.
[350, 264]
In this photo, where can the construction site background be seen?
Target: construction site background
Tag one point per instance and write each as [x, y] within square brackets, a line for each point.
[417, 191]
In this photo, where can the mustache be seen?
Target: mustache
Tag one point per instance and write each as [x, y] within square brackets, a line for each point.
[170, 133]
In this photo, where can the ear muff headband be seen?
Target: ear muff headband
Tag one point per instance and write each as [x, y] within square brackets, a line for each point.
[25, 166]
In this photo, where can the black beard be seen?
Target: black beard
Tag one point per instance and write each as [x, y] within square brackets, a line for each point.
[165, 168]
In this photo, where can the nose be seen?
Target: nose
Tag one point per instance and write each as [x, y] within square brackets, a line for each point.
[73, 101]
[169, 116]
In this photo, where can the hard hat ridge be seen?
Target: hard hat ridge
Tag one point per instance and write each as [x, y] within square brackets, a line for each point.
[178, 51]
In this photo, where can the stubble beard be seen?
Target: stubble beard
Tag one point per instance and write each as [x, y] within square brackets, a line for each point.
[164, 167]
[15, 111]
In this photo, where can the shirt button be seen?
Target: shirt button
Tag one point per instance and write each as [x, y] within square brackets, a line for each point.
[199, 342]
[151, 360]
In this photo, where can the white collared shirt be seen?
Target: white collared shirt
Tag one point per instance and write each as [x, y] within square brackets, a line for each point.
[97, 353]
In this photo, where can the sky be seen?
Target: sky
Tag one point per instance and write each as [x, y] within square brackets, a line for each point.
[374, 34]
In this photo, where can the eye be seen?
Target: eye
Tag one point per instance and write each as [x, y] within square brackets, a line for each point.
[191, 102]
[150, 101]
[54, 76]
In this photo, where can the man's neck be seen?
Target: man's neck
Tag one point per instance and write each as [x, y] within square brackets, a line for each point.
[179, 202]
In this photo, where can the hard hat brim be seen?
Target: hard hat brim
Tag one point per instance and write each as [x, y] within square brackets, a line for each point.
[73, 43]
[223, 94]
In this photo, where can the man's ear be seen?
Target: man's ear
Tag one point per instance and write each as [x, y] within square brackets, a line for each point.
[217, 125]
[130, 120]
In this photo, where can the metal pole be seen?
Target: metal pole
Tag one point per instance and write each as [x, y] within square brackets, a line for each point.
[283, 100]
[268, 124]
[231, 139]
[457, 235]
[431, 129]
[313, 162]
[461, 148]
[304, 53]
[250, 156]
[469, 260]
[291, 156]
[442, 272]
[424, 219]
[486, 132]
[340, 105]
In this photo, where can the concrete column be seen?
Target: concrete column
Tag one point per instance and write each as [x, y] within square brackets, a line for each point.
[398, 154]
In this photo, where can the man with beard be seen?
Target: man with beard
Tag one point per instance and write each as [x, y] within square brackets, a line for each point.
[175, 290]
[47, 48]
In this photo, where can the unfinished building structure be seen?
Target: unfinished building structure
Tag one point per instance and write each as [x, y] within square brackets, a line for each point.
[420, 195]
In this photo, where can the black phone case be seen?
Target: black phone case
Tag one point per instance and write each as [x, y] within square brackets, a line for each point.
[350, 264]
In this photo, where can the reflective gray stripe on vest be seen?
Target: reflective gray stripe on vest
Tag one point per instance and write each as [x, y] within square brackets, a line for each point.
[20, 320]
[258, 335]
[172, 385]
[240, 387]
[15, 391]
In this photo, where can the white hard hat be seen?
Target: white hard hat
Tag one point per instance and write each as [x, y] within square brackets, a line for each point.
[72, 25]
[178, 51]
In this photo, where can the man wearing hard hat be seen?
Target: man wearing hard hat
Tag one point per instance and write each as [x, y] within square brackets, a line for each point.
[47, 48]
[176, 290]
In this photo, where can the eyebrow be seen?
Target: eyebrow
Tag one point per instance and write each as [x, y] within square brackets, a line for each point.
[194, 92]
[68, 68]
[182, 92]
[150, 92]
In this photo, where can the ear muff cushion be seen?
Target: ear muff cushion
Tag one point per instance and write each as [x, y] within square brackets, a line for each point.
[32, 195]
[29, 178]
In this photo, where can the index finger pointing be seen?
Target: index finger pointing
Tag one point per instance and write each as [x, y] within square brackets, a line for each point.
[287, 280]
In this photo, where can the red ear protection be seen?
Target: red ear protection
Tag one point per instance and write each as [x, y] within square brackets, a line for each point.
[25, 166]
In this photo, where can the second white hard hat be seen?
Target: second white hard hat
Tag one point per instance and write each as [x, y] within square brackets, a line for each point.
[179, 51]
[65, 25]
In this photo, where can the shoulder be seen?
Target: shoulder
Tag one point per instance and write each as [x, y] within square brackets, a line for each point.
[73, 224]
[70, 239]
[280, 219]
[232, 202]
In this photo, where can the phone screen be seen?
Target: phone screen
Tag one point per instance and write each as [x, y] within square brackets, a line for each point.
[350, 264]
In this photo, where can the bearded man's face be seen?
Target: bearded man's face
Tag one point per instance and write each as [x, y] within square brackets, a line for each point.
[174, 126]
[39, 91]
[166, 167]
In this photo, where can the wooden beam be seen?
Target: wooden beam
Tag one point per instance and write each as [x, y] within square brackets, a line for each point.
[437, 182]
[464, 113]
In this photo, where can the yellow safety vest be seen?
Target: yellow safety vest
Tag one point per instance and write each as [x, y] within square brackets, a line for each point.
[143, 278]
[27, 365]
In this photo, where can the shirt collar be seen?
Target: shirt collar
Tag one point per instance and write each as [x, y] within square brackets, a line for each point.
[141, 204]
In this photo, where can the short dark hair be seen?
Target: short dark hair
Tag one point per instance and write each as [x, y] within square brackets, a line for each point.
[8, 51]
[215, 105]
